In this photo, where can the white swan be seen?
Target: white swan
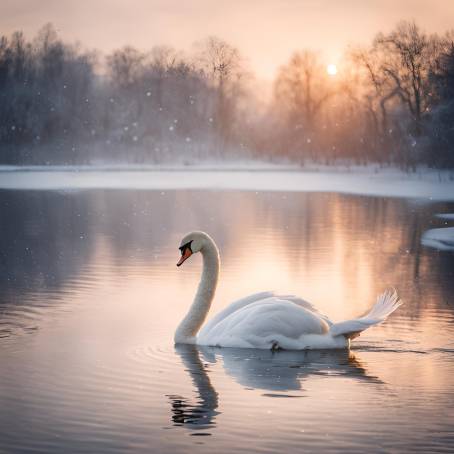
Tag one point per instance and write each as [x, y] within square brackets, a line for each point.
[264, 320]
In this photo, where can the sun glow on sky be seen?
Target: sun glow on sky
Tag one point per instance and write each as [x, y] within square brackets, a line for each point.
[331, 69]
[267, 33]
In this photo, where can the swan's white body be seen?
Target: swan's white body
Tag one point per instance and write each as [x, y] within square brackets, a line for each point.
[265, 320]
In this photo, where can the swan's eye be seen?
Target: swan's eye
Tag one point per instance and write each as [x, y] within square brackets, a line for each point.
[185, 246]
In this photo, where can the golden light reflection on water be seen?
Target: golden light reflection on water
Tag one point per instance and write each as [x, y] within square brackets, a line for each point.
[101, 355]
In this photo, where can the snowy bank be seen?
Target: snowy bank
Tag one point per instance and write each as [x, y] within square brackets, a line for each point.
[428, 185]
[446, 216]
[442, 239]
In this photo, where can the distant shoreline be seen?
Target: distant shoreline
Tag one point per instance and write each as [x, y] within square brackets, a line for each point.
[424, 184]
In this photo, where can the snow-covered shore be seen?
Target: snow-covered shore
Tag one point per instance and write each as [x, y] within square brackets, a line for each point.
[428, 185]
[442, 239]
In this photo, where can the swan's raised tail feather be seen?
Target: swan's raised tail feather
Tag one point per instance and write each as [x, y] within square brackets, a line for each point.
[386, 304]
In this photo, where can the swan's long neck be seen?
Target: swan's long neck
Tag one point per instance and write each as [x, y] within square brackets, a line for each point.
[190, 325]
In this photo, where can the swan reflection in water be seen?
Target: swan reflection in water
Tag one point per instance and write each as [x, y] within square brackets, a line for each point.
[278, 372]
[201, 414]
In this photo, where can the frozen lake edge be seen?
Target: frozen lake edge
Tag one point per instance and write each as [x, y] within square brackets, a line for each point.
[427, 185]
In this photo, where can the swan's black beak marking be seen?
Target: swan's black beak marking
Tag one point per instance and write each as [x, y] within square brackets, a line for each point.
[186, 252]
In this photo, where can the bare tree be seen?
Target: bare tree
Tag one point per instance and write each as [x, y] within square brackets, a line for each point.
[162, 61]
[223, 65]
[441, 132]
[301, 88]
[407, 57]
[125, 66]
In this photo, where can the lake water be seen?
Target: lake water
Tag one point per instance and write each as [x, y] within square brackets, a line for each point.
[90, 297]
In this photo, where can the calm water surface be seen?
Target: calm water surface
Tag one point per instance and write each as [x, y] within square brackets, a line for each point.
[90, 297]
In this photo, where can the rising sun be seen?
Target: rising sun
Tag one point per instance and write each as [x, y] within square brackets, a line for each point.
[331, 69]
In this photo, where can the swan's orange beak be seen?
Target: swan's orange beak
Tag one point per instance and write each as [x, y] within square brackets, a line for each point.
[184, 256]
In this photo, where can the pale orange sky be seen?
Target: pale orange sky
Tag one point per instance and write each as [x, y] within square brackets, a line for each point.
[266, 31]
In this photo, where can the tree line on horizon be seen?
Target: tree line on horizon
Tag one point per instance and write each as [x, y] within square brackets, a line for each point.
[392, 102]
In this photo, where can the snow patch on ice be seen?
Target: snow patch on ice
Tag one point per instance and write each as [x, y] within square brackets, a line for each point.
[446, 216]
[442, 239]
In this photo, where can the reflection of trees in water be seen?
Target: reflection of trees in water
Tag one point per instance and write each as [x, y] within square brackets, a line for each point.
[47, 237]
[383, 234]
[278, 372]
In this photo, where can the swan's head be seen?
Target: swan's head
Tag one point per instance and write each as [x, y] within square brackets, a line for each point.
[191, 243]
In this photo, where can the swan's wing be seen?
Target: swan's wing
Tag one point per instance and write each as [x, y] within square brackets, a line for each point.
[305, 304]
[235, 306]
[258, 297]
[263, 322]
